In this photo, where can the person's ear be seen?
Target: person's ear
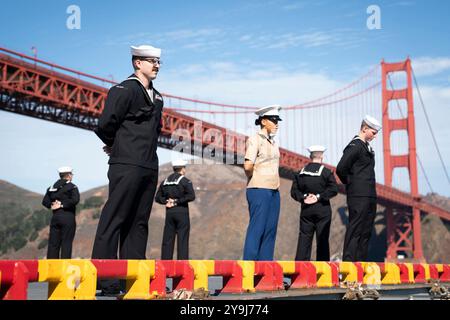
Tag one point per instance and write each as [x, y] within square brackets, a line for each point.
[263, 122]
[137, 64]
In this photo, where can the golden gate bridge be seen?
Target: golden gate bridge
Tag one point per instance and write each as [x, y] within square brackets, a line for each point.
[40, 89]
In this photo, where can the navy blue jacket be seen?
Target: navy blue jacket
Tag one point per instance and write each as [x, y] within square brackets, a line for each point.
[131, 123]
[64, 191]
[356, 169]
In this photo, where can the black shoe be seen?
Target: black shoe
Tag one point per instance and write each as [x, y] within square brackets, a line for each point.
[109, 293]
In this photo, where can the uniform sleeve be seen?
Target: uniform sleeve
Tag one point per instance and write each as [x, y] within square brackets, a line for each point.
[73, 200]
[251, 149]
[159, 195]
[116, 107]
[344, 166]
[160, 125]
[296, 193]
[330, 189]
[189, 194]
[47, 202]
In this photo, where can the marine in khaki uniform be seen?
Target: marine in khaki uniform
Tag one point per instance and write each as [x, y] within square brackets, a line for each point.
[261, 165]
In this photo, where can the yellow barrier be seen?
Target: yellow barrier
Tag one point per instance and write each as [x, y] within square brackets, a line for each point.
[349, 271]
[68, 279]
[202, 269]
[248, 275]
[287, 266]
[139, 273]
[372, 274]
[391, 274]
[323, 274]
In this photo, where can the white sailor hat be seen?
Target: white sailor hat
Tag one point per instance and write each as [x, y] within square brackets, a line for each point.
[272, 111]
[316, 148]
[145, 51]
[372, 122]
[179, 163]
[65, 169]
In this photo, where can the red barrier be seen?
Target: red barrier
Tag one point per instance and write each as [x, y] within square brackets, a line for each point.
[231, 272]
[304, 276]
[434, 273]
[14, 280]
[360, 269]
[419, 273]
[181, 272]
[33, 268]
[158, 283]
[404, 273]
[111, 268]
[445, 275]
[268, 276]
[334, 273]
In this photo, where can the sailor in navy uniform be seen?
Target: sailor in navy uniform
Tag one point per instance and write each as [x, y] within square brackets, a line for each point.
[62, 197]
[313, 187]
[356, 170]
[175, 193]
[129, 126]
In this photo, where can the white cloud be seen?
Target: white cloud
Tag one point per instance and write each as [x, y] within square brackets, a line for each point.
[311, 39]
[188, 38]
[187, 34]
[428, 66]
[294, 6]
[247, 83]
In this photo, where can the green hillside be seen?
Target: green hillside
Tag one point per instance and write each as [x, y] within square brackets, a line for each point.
[22, 216]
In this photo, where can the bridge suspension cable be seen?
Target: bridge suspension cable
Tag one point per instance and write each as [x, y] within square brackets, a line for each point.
[430, 127]
[417, 153]
[295, 107]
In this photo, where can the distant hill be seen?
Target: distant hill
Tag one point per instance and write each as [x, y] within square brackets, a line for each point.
[219, 218]
[18, 223]
[10, 193]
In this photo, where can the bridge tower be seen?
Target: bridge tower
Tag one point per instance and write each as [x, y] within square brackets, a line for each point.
[401, 222]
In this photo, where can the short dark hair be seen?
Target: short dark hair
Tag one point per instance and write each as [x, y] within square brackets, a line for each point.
[133, 60]
[315, 154]
[64, 175]
[177, 169]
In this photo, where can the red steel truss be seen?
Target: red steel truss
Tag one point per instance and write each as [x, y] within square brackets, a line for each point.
[398, 234]
[36, 91]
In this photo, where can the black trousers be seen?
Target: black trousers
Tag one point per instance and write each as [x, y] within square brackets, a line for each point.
[177, 224]
[124, 219]
[314, 219]
[62, 232]
[361, 217]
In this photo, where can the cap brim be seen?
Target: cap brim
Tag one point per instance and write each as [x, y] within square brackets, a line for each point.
[272, 118]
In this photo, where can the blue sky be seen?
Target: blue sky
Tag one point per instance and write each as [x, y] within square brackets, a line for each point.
[243, 52]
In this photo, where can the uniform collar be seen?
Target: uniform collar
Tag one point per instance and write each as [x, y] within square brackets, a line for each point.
[135, 77]
[265, 135]
[146, 91]
[366, 144]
